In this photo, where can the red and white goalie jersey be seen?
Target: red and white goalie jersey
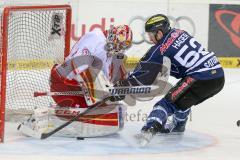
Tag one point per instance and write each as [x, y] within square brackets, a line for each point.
[88, 59]
[94, 44]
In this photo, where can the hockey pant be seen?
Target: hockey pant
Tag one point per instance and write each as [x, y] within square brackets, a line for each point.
[186, 93]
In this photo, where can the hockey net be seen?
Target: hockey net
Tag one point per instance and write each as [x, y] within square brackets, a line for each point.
[32, 39]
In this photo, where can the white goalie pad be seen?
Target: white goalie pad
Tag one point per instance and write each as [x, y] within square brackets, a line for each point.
[104, 120]
[38, 122]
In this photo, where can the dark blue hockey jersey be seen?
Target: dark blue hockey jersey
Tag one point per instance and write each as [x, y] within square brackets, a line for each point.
[188, 57]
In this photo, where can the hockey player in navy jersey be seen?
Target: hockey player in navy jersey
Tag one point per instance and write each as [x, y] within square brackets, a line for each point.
[200, 73]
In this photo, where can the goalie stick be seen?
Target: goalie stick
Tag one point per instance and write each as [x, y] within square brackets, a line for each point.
[112, 90]
[38, 135]
[75, 93]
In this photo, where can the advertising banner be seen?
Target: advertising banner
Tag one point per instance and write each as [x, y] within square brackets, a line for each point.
[224, 33]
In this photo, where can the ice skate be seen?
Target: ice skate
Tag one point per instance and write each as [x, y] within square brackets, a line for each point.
[147, 133]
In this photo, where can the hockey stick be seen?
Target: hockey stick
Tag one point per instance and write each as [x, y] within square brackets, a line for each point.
[38, 135]
[75, 93]
[113, 91]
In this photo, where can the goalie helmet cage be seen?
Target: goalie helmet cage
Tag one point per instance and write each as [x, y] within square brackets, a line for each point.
[32, 40]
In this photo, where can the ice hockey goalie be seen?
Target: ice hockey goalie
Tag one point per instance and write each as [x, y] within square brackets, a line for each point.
[94, 63]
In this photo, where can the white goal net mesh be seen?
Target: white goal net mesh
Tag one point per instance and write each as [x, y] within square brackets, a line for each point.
[35, 41]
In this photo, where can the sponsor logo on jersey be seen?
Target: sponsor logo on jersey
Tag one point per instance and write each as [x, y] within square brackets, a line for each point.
[211, 62]
[214, 71]
[85, 51]
[170, 40]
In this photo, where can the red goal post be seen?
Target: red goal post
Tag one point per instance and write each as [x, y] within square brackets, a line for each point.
[31, 38]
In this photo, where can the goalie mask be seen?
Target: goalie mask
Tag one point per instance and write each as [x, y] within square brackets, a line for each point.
[119, 39]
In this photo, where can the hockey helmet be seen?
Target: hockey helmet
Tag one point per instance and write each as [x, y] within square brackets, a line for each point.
[158, 22]
[119, 39]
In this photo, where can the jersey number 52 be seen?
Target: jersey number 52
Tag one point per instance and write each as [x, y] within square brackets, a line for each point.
[192, 56]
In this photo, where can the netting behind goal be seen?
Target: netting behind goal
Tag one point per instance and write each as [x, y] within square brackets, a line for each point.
[32, 39]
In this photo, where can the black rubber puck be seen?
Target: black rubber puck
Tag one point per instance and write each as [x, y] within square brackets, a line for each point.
[238, 123]
[80, 138]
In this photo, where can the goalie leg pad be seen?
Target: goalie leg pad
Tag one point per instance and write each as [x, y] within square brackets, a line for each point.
[38, 122]
[105, 120]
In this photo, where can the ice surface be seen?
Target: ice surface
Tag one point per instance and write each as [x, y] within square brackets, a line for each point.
[211, 135]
